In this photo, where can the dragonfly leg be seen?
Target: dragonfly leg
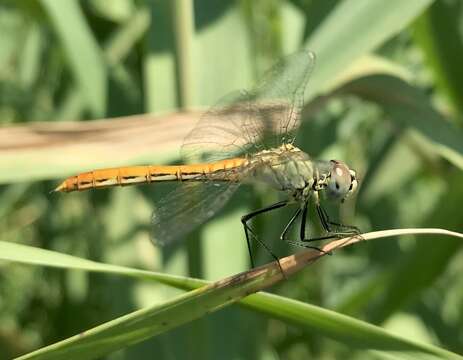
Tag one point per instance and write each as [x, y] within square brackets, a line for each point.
[288, 226]
[303, 221]
[250, 233]
[302, 240]
[341, 229]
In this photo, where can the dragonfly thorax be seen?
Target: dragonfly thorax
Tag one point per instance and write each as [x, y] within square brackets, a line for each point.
[285, 168]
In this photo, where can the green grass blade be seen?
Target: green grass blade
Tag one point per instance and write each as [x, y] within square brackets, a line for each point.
[119, 46]
[82, 51]
[348, 330]
[158, 62]
[141, 324]
[184, 30]
[36, 256]
[407, 107]
[342, 38]
[438, 33]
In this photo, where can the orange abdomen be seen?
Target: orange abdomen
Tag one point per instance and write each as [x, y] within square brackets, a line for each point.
[150, 173]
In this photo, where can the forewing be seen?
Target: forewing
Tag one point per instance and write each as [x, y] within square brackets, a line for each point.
[188, 206]
[222, 131]
[246, 122]
[283, 87]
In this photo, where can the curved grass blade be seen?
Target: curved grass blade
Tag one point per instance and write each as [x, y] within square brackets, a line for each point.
[144, 323]
[407, 107]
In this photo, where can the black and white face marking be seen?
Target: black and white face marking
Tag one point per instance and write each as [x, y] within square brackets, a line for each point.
[342, 181]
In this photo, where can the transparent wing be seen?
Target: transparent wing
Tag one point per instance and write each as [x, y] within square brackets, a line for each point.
[187, 207]
[246, 122]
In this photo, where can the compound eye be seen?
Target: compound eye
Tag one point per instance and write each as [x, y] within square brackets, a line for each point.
[353, 182]
[340, 181]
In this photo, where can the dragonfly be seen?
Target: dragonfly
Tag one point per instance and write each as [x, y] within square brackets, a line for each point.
[247, 137]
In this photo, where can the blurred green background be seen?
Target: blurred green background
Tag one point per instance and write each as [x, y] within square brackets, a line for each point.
[385, 96]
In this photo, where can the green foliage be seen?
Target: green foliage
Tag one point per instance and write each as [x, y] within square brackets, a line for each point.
[385, 96]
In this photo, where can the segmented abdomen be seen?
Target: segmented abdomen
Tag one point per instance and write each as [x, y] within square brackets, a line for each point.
[220, 171]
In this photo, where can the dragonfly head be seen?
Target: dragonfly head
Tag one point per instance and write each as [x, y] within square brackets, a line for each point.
[342, 181]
